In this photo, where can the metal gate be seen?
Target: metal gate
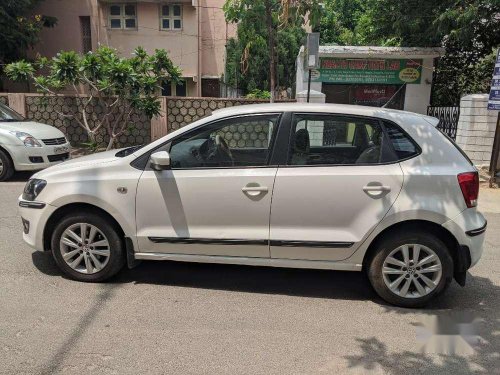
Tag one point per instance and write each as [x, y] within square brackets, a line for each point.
[448, 119]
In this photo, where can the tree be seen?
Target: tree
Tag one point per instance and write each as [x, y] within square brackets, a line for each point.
[119, 85]
[19, 30]
[270, 33]
[469, 30]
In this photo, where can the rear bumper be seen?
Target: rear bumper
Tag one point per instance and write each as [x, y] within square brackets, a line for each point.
[469, 228]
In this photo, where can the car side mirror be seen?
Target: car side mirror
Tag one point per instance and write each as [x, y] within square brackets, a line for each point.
[159, 161]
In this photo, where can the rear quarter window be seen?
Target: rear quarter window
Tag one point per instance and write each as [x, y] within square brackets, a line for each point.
[404, 146]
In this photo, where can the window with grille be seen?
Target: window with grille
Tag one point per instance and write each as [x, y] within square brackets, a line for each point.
[171, 17]
[86, 34]
[122, 16]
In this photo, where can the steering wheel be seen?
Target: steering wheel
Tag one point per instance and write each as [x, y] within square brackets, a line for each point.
[223, 148]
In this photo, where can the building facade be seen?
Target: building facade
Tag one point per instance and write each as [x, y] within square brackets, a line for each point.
[397, 77]
[194, 32]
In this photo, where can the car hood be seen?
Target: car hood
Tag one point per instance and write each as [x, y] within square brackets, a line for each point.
[36, 129]
[85, 162]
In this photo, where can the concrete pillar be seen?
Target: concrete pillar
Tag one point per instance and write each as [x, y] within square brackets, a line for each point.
[314, 97]
[476, 128]
[159, 123]
[18, 103]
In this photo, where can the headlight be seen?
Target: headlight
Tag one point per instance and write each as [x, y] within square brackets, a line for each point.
[27, 139]
[33, 188]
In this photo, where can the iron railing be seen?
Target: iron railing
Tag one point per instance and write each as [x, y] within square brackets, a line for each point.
[448, 119]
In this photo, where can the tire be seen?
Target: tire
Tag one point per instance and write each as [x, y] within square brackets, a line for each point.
[383, 272]
[101, 267]
[6, 167]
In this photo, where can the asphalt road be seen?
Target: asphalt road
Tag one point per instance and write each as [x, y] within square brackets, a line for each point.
[182, 318]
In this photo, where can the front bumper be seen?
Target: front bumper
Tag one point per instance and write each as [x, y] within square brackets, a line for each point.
[34, 218]
[469, 228]
[37, 158]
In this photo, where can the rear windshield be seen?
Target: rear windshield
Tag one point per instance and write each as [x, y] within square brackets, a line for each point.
[7, 114]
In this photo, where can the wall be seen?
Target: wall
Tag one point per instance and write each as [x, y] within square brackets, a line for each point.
[176, 112]
[418, 96]
[185, 47]
[476, 128]
[214, 35]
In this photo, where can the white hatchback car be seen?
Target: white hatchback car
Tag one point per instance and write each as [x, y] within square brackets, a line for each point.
[285, 185]
[27, 145]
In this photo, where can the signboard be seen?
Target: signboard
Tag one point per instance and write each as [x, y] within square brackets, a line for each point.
[368, 71]
[494, 99]
[312, 51]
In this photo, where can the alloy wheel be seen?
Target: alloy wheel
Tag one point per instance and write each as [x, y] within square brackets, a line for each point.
[84, 248]
[412, 271]
[1, 166]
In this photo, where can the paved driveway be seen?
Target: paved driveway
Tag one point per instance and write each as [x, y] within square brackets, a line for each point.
[182, 318]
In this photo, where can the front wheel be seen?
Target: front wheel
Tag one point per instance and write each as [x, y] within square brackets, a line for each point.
[6, 167]
[408, 270]
[87, 247]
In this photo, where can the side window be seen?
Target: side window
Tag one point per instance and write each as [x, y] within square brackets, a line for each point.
[403, 145]
[335, 140]
[237, 142]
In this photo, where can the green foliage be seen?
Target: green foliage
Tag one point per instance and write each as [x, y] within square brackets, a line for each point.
[258, 94]
[119, 85]
[20, 30]
[468, 30]
[248, 57]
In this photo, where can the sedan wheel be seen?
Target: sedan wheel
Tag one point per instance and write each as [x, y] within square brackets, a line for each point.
[84, 248]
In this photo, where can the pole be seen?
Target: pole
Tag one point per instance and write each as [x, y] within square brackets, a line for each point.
[495, 153]
[309, 85]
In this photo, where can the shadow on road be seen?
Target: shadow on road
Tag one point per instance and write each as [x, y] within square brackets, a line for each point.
[21, 176]
[481, 298]
[266, 280]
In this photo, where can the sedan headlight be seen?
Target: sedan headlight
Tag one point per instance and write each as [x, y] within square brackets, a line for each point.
[27, 139]
[33, 188]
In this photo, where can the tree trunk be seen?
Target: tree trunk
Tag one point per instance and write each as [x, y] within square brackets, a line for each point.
[110, 143]
[271, 45]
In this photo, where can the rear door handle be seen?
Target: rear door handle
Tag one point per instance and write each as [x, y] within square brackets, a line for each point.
[369, 188]
[254, 190]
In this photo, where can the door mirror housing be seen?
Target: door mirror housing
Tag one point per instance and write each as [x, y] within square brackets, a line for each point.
[159, 161]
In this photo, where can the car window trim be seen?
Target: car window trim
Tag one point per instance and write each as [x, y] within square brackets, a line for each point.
[137, 163]
[374, 119]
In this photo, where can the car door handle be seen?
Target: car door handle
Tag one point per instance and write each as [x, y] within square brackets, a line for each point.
[369, 188]
[254, 190]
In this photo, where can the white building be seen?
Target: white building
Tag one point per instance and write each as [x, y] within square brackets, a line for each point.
[372, 75]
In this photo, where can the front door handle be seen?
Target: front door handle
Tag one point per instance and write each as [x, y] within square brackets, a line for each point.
[382, 188]
[254, 190]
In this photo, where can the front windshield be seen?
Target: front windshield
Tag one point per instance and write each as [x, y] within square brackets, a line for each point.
[7, 114]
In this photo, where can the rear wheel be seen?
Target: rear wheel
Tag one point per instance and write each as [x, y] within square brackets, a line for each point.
[87, 247]
[6, 167]
[410, 269]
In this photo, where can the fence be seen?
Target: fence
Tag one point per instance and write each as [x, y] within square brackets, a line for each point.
[448, 119]
[176, 113]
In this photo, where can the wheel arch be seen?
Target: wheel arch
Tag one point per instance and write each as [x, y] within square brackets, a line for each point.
[417, 225]
[8, 155]
[62, 211]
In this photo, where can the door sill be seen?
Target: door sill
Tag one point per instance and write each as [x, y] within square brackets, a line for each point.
[266, 262]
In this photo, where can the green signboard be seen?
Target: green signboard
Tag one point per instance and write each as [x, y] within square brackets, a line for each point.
[376, 71]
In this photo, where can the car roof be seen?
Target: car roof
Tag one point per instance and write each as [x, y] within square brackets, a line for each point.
[347, 109]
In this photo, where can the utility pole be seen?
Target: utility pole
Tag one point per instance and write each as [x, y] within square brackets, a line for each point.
[271, 46]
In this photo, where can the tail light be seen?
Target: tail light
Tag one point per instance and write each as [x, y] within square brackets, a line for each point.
[469, 184]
